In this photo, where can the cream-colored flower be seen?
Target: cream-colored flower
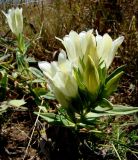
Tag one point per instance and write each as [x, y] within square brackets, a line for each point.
[85, 52]
[100, 48]
[15, 20]
[61, 79]
[79, 46]
[107, 48]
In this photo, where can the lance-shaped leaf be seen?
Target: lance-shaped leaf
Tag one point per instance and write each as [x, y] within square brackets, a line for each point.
[111, 85]
[115, 72]
[91, 77]
[17, 102]
[67, 122]
[102, 72]
[37, 73]
[56, 119]
[104, 105]
[117, 110]
[122, 110]
[51, 118]
[3, 84]
[79, 78]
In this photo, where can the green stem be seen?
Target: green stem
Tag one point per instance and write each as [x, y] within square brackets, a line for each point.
[116, 151]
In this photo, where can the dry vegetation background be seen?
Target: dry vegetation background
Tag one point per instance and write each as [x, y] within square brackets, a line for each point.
[50, 18]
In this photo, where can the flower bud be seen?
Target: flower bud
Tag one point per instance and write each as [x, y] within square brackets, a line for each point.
[15, 20]
[107, 48]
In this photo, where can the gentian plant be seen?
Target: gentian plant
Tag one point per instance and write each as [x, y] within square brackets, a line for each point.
[15, 21]
[80, 81]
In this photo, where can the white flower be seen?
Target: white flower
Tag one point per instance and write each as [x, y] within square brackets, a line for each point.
[79, 46]
[61, 78]
[15, 20]
[85, 52]
[107, 48]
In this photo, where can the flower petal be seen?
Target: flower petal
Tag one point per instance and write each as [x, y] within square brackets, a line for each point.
[116, 43]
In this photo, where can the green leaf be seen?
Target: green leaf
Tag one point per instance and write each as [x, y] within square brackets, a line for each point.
[3, 85]
[17, 103]
[37, 81]
[115, 72]
[37, 72]
[49, 96]
[91, 115]
[22, 63]
[123, 110]
[79, 79]
[104, 105]
[102, 72]
[3, 108]
[51, 118]
[111, 85]
[21, 44]
[36, 97]
[91, 77]
[66, 122]
[117, 110]
[40, 91]
[89, 126]
[42, 108]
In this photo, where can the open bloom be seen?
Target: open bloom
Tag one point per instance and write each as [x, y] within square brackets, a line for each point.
[79, 46]
[107, 48]
[61, 79]
[82, 68]
[86, 51]
[15, 20]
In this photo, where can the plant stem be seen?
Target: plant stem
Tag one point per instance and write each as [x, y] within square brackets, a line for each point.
[116, 151]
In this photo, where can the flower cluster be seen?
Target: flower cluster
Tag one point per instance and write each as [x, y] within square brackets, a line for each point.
[81, 72]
